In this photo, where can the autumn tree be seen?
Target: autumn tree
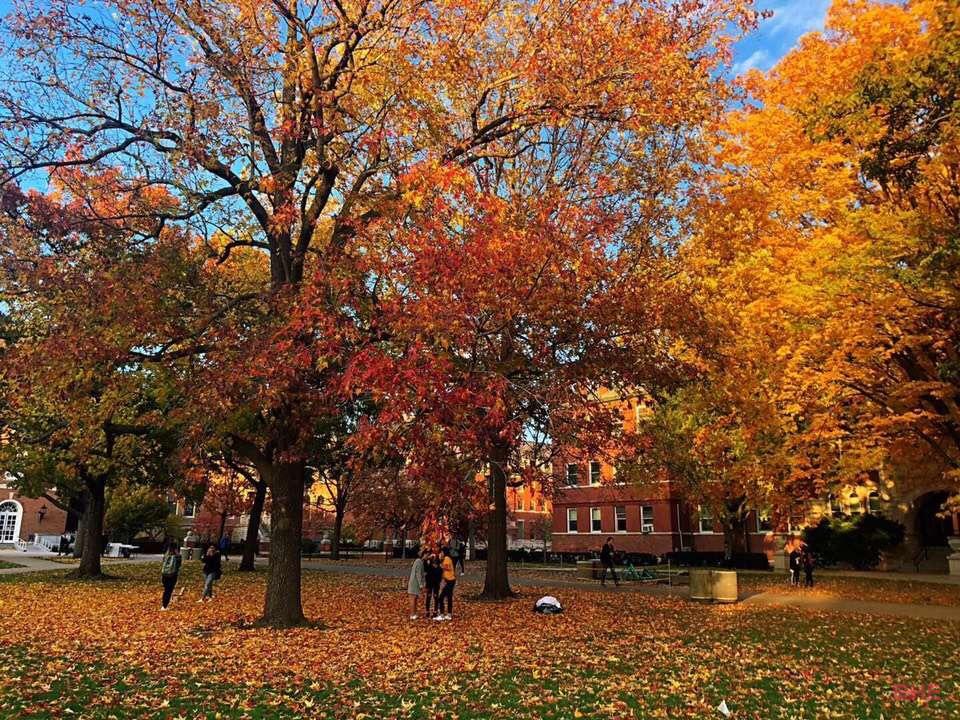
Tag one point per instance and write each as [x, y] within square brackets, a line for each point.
[287, 124]
[826, 248]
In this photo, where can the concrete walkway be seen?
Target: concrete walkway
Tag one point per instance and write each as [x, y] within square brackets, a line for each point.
[36, 562]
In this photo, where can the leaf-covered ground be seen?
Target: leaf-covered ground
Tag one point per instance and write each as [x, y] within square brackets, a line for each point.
[105, 651]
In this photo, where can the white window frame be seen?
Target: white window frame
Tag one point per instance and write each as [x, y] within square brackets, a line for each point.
[599, 467]
[617, 517]
[646, 519]
[700, 518]
[599, 521]
[574, 526]
[566, 475]
[13, 520]
[521, 530]
[193, 508]
[765, 515]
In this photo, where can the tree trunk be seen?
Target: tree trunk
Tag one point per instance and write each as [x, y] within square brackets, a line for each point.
[92, 530]
[252, 542]
[283, 606]
[496, 584]
[471, 539]
[223, 525]
[337, 532]
[81, 535]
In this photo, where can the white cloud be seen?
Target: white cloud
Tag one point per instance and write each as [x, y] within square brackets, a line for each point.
[758, 59]
[796, 17]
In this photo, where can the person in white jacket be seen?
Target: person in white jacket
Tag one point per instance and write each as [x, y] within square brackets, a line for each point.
[416, 584]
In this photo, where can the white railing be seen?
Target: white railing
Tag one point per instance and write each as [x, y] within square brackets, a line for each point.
[49, 543]
[22, 545]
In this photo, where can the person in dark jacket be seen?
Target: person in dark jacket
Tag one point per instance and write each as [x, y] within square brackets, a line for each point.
[225, 546]
[807, 568]
[433, 575]
[169, 572]
[212, 571]
[795, 566]
[606, 560]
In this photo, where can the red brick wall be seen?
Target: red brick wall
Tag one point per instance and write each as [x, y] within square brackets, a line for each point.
[54, 519]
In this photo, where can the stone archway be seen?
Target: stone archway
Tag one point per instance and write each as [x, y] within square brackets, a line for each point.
[11, 515]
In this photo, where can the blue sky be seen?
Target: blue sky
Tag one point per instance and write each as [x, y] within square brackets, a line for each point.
[776, 35]
[791, 19]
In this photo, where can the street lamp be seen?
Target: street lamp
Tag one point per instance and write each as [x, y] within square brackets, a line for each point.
[41, 513]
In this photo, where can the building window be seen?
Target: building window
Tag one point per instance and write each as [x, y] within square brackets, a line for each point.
[595, 524]
[646, 518]
[11, 514]
[836, 509]
[763, 521]
[189, 508]
[595, 474]
[874, 503]
[854, 504]
[573, 474]
[521, 530]
[705, 519]
[621, 513]
[571, 520]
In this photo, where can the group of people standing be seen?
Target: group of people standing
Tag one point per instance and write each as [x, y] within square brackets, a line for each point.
[212, 560]
[801, 559]
[434, 577]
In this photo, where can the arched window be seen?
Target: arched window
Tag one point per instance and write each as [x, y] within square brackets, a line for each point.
[10, 515]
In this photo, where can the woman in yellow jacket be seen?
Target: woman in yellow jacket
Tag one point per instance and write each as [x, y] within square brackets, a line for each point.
[449, 581]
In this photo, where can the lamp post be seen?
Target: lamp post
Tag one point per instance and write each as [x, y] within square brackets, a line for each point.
[41, 513]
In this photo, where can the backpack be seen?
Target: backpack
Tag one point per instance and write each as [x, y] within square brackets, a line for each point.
[169, 566]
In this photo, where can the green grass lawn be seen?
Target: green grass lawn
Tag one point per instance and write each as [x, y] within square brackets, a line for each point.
[4, 565]
[105, 651]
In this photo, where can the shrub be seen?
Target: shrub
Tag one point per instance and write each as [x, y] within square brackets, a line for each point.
[853, 541]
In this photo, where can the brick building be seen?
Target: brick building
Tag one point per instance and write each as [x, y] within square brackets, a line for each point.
[23, 519]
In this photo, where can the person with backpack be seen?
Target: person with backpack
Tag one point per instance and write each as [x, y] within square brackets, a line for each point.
[212, 571]
[606, 560]
[169, 572]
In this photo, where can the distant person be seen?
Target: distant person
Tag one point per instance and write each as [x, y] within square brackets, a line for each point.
[606, 560]
[212, 571]
[225, 546]
[416, 583]
[433, 576]
[807, 562]
[449, 582]
[457, 551]
[169, 572]
[795, 567]
[64, 547]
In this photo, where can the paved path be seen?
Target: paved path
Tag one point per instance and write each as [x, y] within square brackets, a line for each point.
[759, 599]
[32, 562]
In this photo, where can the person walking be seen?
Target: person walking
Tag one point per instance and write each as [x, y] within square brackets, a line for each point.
[795, 567]
[64, 546]
[212, 571]
[606, 560]
[169, 572]
[807, 568]
[457, 551]
[416, 583]
[225, 546]
[449, 582]
[433, 575]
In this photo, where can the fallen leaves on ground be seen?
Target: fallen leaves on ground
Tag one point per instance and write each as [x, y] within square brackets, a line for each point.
[105, 650]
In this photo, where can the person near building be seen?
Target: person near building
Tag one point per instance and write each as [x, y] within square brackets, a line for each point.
[212, 571]
[449, 582]
[808, 563]
[457, 552]
[169, 572]
[606, 560]
[416, 583]
[64, 547]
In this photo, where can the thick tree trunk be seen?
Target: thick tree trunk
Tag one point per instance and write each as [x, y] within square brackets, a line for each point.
[82, 503]
[92, 531]
[283, 606]
[496, 584]
[223, 525]
[252, 542]
[471, 539]
[337, 533]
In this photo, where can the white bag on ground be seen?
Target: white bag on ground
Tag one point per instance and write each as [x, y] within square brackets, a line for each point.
[548, 605]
